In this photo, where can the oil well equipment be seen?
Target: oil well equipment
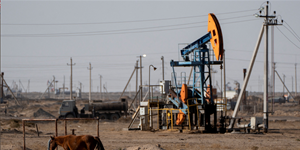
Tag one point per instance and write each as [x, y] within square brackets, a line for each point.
[191, 104]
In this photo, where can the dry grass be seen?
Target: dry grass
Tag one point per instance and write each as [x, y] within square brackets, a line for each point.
[15, 123]
[254, 148]
[216, 146]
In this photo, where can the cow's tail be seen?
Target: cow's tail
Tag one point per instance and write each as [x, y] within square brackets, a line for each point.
[99, 143]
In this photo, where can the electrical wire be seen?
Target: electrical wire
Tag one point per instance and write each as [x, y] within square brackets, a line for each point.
[292, 33]
[287, 37]
[249, 51]
[114, 31]
[292, 29]
[286, 63]
[131, 21]
[110, 55]
[92, 32]
[128, 29]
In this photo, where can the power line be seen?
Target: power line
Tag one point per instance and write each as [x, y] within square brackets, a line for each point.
[249, 51]
[111, 32]
[258, 61]
[287, 37]
[292, 29]
[92, 32]
[292, 33]
[121, 30]
[129, 21]
[112, 55]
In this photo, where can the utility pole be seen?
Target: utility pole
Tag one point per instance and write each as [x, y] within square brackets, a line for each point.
[28, 86]
[54, 82]
[273, 85]
[283, 83]
[224, 91]
[0, 43]
[2, 78]
[141, 75]
[163, 68]
[90, 96]
[141, 81]
[258, 84]
[64, 88]
[292, 83]
[266, 70]
[100, 86]
[295, 79]
[244, 94]
[80, 90]
[268, 21]
[273, 68]
[80, 86]
[71, 78]
[136, 81]
[137, 75]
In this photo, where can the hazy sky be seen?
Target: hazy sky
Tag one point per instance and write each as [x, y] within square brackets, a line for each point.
[39, 37]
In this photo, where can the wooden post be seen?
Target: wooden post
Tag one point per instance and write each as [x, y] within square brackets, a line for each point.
[37, 130]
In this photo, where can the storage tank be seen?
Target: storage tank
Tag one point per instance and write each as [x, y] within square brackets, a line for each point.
[110, 105]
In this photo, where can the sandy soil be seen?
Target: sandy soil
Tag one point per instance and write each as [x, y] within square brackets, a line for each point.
[284, 132]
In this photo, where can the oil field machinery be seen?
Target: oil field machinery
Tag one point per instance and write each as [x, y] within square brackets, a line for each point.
[192, 104]
[195, 100]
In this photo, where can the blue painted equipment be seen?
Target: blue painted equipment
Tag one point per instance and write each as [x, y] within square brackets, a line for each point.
[197, 56]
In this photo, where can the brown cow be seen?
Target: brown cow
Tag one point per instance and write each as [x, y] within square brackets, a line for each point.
[72, 142]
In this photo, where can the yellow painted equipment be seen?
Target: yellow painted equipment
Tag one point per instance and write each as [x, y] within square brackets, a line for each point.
[216, 33]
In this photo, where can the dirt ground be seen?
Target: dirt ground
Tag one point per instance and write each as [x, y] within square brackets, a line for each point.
[284, 132]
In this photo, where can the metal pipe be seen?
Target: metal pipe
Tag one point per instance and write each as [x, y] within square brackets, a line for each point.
[149, 78]
[188, 83]
[235, 112]
[150, 95]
